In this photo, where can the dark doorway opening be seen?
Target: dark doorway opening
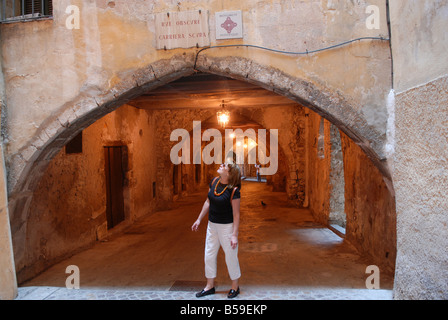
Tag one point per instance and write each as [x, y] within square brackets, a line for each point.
[176, 179]
[114, 170]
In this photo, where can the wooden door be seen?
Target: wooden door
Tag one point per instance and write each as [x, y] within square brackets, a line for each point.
[114, 185]
[176, 179]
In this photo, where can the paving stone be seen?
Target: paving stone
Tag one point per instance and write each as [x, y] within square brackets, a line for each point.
[51, 293]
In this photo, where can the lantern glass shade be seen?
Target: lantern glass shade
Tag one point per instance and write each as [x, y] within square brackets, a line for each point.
[223, 117]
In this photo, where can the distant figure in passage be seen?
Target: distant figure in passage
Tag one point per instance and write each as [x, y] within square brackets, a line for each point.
[258, 172]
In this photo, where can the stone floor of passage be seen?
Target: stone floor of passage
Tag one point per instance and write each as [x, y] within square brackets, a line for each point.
[284, 255]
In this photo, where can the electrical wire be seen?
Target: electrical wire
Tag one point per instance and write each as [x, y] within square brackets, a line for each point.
[288, 52]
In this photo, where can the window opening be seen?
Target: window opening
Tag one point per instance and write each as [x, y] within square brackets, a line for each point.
[75, 145]
[19, 10]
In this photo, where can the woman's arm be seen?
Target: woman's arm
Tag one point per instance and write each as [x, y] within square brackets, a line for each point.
[236, 222]
[204, 211]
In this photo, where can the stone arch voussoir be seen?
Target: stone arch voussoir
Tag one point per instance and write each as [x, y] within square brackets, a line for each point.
[26, 167]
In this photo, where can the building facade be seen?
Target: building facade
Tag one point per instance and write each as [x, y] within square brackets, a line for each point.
[360, 104]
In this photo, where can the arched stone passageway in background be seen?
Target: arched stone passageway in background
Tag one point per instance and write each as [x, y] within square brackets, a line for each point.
[278, 184]
[28, 166]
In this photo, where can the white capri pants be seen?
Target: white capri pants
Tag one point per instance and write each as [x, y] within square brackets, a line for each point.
[220, 235]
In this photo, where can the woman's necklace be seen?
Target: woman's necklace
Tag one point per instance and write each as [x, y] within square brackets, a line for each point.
[218, 194]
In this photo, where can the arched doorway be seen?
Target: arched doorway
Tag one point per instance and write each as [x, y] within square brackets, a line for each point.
[81, 115]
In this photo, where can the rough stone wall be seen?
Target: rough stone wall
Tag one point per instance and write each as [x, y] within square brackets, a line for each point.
[420, 169]
[296, 177]
[167, 121]
[337, 181]
[290, 122]
[369, 208]
[420, 178]
[287, 120]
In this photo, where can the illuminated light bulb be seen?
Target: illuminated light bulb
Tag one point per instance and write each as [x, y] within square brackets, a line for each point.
[223, 116]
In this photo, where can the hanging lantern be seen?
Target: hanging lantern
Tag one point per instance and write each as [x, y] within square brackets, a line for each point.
[223, 116]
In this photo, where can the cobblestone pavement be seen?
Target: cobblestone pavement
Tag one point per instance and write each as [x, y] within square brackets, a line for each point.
[54, 293]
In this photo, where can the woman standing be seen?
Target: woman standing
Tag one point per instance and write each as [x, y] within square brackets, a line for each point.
[223, 207]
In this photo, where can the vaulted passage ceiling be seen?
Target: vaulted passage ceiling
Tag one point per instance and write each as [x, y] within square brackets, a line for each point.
[209, 91]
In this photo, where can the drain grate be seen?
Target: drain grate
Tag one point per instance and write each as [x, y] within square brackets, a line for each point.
[190, 286]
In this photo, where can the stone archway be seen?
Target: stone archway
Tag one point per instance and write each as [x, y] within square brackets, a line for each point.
[86, 109]
[265, 147]
[27, 166]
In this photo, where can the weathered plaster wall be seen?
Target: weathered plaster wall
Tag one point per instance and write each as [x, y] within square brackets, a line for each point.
[420, 167]
[319, 153]
[419, 40]
[68, 209]
[116, 42]
[369, 208]
[69, 75]
[369, 205]
[73, 77]
[70, 201]
[420, 178]
[8, 283]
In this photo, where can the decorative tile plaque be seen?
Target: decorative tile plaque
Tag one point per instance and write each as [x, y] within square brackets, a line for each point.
[229, 25]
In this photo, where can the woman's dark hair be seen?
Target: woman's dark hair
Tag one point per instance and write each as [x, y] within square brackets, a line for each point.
[234, 175]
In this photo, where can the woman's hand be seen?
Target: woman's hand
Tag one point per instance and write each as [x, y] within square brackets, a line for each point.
[233, 242]
[195, 225]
